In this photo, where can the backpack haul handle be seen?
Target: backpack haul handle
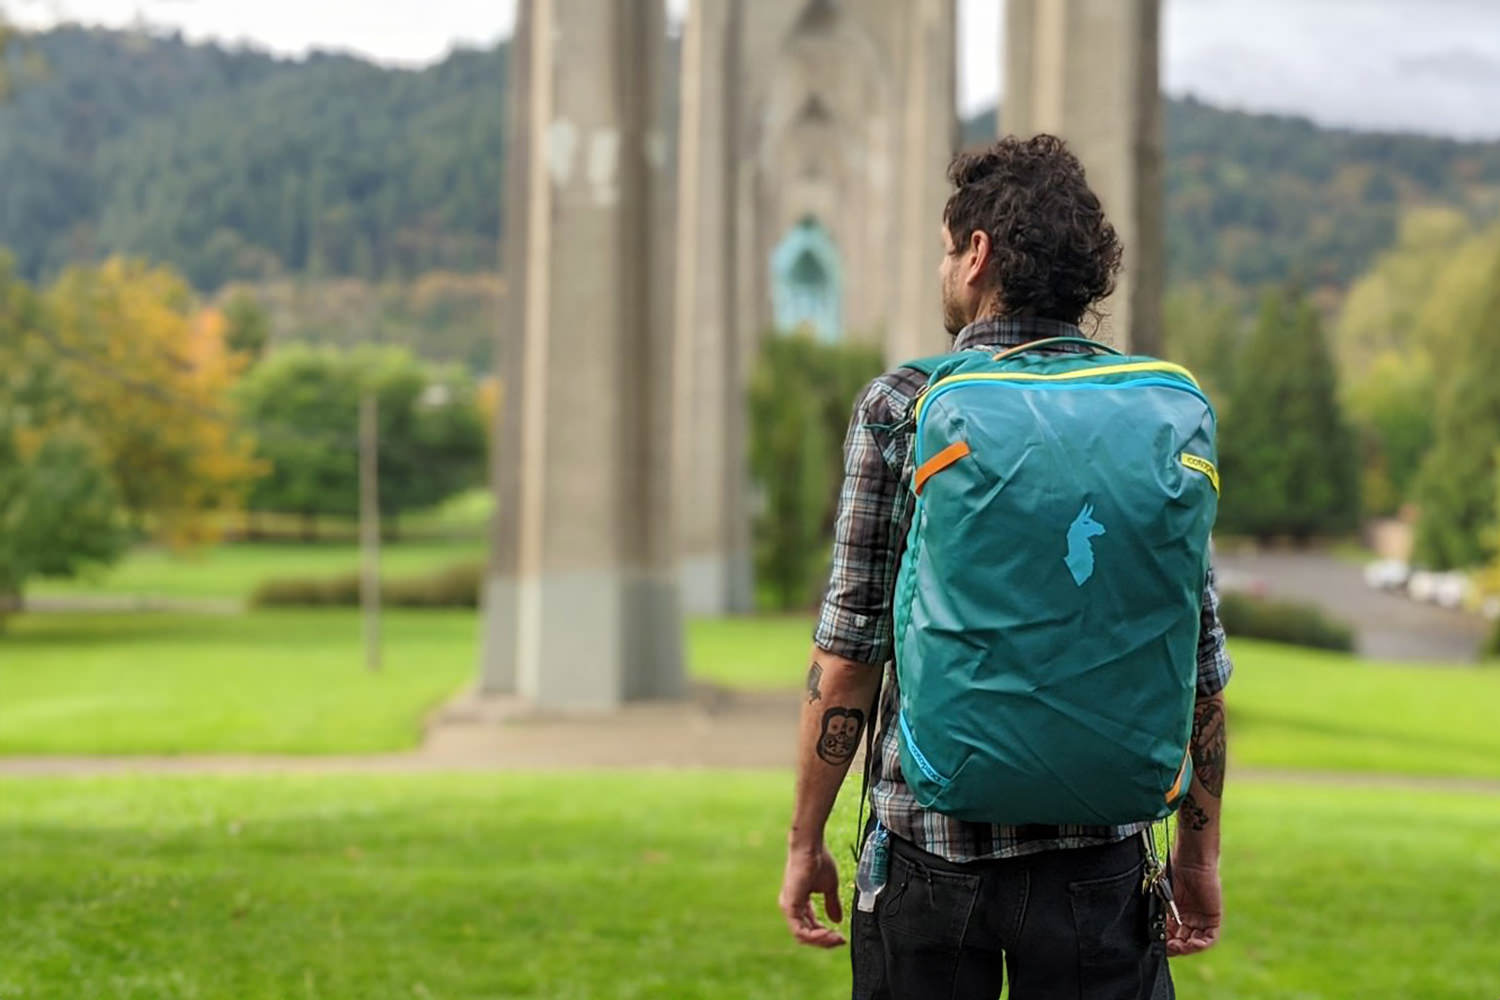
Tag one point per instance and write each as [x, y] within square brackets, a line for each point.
[1051, 341]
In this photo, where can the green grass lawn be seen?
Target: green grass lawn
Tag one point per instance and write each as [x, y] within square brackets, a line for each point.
[290, 682]
[234, 570]
[293, 682]
[1288, 707]
[662, 886]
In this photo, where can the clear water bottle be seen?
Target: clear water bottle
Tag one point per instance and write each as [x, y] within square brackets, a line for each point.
[874, 866]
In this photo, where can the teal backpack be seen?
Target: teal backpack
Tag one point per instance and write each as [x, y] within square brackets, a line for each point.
[1049, 599]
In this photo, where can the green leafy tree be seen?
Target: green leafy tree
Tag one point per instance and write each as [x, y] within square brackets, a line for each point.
[800, 395]
[59, 511]
[1288, 458]
[1456, 491]
[1391, 410]
[303, 405]
[1202, 326]
[433, 441]
[1392, 326]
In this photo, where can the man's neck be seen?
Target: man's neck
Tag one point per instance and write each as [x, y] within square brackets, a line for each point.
[1010, 331]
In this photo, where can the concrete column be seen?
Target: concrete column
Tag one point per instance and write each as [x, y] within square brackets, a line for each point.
[929, 137]
[710, 450]
[1088, 70]
[498, 611]
[595, 619]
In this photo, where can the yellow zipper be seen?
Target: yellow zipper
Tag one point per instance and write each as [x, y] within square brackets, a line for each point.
[1134, 366]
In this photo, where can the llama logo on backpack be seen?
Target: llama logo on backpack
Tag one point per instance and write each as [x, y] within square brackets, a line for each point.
[1080, 557]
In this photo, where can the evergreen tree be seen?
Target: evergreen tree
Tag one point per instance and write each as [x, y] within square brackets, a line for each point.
[249, 327]
[1287, 455]
[800, 395]
[1457, 487]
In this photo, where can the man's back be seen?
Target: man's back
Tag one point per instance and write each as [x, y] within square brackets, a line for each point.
[989, 894]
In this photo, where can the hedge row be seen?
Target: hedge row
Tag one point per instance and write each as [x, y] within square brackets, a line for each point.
[1243, 615]
[1249, 617]
[453, 587]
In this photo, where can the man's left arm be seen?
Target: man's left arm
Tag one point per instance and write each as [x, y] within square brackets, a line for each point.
[838, 706]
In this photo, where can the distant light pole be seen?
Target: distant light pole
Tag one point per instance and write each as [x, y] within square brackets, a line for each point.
[369, 527]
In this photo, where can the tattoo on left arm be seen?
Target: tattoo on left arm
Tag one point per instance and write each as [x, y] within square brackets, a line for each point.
[814, 682]
[1193, 814]
[1209, 747]
[839, 737]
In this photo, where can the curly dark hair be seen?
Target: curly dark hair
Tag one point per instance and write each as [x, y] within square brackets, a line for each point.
[1054, 254]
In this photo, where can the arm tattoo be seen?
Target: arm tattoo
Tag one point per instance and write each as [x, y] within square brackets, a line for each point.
[814, 679]
[840, 736]
[1209, 743]
[1193, 814]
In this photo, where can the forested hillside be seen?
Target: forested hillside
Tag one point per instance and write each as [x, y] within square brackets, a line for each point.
[233, 165]
[228, 164]
[73, 92]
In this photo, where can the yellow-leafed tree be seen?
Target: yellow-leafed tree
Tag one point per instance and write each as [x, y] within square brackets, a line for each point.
[153, 375]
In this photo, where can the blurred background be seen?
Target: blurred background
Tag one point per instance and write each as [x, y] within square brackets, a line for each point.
[273, 722]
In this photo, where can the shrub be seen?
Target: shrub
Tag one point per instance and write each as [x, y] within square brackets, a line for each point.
[452, 587]
[307, 592]
[1296, 624]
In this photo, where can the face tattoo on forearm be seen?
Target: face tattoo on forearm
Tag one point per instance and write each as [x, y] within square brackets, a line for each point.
[840, 736]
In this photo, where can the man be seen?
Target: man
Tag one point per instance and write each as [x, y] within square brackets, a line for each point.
[1028, 254]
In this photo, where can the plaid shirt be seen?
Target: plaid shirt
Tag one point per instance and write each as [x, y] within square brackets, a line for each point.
[874, 514]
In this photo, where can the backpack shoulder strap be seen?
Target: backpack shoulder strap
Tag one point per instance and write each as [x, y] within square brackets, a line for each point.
[929, 364]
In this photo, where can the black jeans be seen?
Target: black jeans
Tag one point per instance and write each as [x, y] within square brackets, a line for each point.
[1071, 923]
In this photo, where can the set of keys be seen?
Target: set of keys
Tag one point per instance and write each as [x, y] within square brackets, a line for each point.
[1155, 873]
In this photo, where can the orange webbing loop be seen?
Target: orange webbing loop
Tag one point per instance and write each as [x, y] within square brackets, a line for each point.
[937, 463]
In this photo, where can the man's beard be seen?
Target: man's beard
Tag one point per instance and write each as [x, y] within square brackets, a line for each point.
[954, 319]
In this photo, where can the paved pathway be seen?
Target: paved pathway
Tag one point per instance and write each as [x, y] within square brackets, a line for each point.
[69, 604]
[1388, 626]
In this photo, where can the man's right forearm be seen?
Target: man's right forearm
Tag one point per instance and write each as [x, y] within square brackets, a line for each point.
[1198, 817]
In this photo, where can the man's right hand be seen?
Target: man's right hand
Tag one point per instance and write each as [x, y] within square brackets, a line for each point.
[1200, 901]
[811, 871]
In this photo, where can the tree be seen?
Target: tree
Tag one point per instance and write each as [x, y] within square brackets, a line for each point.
[304, 405]
[1287, 456]
[1391, 410]
[1202, 326]
[1456, 490]
[433, 439]
[1382, 312]
[248, 327]
[151, 375]
[6, 34]
[1392, 327]
[800, 393]
[58, 509]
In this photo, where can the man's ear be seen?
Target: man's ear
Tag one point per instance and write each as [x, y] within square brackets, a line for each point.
[977, 260]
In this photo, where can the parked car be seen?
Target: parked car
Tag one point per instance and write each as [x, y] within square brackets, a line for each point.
[1447, 590]
[1387, 574]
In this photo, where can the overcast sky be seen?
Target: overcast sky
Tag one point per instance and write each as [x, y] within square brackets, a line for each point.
[1415, 65]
